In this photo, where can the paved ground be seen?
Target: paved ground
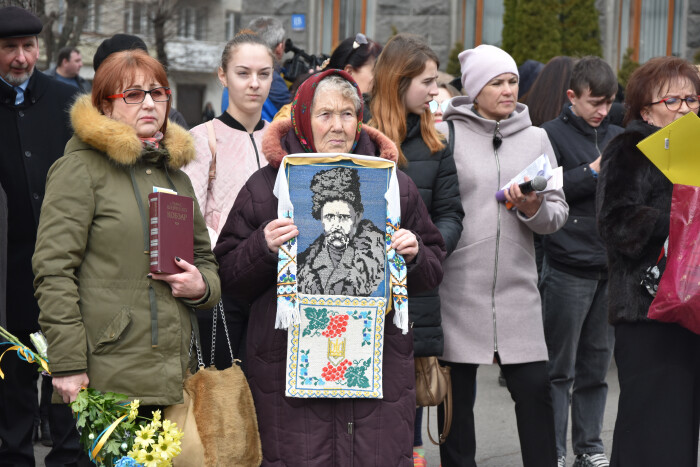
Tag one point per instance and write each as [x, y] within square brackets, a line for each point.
[497, 443]
[497, 436]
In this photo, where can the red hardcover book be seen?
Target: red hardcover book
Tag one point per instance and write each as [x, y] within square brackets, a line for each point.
[172, 231]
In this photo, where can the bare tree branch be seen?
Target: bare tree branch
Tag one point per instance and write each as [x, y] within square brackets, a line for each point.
[162, 12]
[26, 4]
[76, 12]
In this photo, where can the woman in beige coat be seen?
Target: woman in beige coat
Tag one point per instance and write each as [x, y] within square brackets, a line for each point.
[491, 311]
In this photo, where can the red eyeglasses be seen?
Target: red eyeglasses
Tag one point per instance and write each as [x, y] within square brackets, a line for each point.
[137, 96]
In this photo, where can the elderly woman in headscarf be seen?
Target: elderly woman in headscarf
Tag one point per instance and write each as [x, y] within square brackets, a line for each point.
[320, 432]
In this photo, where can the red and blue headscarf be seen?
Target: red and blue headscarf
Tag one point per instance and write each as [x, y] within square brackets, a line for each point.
[301, 108]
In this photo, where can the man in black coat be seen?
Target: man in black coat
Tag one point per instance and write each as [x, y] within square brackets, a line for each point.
[574, 280]
[34, 128]
[3, 254]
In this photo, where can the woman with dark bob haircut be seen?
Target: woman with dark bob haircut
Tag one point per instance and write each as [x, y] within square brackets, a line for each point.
[658, 363]
[109, 322]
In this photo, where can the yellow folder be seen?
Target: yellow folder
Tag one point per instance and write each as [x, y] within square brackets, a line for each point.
[675, 150]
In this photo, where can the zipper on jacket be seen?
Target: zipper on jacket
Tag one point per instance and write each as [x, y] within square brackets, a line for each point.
[595, 130]
[257, 156]
[351, 430]
[498, 241]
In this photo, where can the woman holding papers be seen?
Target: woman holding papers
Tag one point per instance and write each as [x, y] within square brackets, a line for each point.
[110, 324]
[491, 310]
[658, 363]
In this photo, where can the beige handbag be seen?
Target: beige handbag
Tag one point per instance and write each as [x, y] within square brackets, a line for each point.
[434, 387]
[217, 416]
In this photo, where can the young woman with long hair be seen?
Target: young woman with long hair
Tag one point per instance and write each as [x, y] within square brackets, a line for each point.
[547, 94]
[228, 152]
[405, 82]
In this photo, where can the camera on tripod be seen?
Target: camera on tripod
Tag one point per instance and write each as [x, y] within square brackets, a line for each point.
[301, 62]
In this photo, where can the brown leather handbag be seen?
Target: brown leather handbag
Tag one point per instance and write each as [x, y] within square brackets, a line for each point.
[434, 387]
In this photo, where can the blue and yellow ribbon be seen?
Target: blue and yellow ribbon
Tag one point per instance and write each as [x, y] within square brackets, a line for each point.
[103, 437]
[26, 354]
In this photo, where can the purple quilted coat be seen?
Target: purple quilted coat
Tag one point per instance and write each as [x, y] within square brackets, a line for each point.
[321, 432]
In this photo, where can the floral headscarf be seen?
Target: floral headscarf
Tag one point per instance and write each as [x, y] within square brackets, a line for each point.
[301, 108]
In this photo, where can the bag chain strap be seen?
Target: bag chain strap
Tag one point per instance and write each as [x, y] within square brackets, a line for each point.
[219, 308]
[194, 343]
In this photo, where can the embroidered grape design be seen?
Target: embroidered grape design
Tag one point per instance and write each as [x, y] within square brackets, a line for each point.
[335, 373]
[337, 326]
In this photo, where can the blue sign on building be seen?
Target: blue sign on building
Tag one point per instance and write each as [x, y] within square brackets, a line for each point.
[298, 22]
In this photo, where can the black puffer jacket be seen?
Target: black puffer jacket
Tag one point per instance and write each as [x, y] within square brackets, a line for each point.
[577, 248]
[435, 175]
[634, 208]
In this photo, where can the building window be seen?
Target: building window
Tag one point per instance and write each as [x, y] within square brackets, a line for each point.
[185, 22]
[232, 21]
[94, 13]
[651, 27]
[200, 27]
[192, 23]
[136, 18]
[345, 18]
[482, 22]
[492, 19]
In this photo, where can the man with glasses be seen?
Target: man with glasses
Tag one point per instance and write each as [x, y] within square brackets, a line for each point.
[574, 276]
[34, 129]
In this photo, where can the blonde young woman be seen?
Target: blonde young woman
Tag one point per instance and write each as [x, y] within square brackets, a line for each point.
[405, 84]
[228, 152]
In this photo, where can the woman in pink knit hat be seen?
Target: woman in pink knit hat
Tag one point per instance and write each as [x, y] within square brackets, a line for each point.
[490, 303]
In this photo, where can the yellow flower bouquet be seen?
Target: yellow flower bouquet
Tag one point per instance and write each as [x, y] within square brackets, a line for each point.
[108, 422]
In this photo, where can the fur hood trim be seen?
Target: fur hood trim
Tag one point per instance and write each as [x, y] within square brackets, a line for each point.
[119, 141]
[274, 150]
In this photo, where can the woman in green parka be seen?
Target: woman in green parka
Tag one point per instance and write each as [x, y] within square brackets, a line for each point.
[110, 324]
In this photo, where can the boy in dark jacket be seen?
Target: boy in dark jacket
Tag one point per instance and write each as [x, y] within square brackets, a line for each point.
[574, 283]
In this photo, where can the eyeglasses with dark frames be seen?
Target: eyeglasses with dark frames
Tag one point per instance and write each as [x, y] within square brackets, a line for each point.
[675, 103]
[137, 96]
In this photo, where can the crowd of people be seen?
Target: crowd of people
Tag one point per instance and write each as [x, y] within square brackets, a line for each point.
[546, 284]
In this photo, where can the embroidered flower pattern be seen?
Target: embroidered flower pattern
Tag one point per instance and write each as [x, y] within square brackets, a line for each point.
[335, 373]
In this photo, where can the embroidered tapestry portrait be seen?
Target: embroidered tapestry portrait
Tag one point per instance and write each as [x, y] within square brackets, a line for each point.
[348, 256]
[336, 279]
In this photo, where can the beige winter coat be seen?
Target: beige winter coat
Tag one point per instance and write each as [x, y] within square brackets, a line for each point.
[489, 296]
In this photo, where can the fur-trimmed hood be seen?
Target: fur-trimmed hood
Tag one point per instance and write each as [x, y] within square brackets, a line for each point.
[119, 141]
[279, 139]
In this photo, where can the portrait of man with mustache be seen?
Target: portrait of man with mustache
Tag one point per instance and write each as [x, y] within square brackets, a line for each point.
[348, 257]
